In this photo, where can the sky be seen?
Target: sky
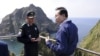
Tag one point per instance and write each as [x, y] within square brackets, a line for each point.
[76, 8]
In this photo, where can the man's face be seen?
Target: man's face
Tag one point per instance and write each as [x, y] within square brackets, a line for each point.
[30, 20]
[59, 18]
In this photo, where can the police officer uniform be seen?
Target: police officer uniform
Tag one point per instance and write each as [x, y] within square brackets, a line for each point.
[26, 33]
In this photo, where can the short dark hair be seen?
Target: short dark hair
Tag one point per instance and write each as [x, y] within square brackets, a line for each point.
[60, 8]
[63, 11]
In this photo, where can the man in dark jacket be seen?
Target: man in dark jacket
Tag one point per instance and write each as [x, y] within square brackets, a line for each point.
[67, 35]
[4, 49]
[29, 35]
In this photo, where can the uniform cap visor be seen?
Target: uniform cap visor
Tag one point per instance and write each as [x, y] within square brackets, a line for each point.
[30, 16]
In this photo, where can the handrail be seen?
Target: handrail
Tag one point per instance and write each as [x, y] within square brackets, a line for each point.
[82, 49]
[11, 36]
[89, 51]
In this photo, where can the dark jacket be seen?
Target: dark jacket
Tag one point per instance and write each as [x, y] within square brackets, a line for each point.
[66, 39]
[4, 49]
[28, 32]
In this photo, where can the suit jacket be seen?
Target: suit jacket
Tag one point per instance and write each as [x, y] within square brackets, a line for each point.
[66, 39]
[4, 49]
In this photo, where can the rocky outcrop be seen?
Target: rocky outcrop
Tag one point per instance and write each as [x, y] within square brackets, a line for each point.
[12, 22]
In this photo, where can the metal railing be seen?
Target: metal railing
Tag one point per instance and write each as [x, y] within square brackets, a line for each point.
[78, 48]
[88, 51]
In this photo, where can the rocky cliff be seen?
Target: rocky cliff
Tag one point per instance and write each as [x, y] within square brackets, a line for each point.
[12, 22]
[92, 40]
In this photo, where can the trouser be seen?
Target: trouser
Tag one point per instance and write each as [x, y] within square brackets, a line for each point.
[30, 50]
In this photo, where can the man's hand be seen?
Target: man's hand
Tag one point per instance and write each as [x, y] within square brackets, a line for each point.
[35, 40]
[38, 39]
[47, 39]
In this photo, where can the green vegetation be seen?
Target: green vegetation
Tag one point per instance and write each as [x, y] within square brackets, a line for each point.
[92, 40]
[12, 54]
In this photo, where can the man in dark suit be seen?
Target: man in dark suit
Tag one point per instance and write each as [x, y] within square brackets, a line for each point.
[29, 36]
[4, 49]
[67, 35]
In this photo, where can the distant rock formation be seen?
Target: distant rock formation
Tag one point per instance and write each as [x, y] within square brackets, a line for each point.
[12, 22]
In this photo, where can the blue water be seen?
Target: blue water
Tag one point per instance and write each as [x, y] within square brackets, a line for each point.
[84, 26]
